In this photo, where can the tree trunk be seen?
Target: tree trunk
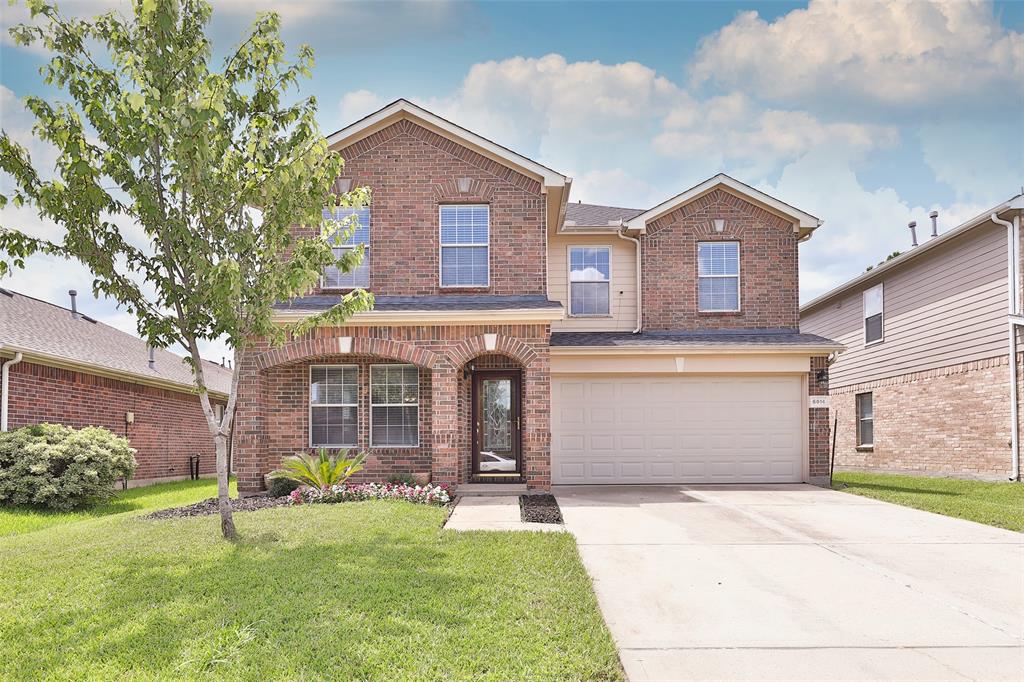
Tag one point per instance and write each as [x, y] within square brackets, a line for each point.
[227, 523]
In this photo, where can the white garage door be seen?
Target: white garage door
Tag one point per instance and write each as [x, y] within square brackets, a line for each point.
[676, 429]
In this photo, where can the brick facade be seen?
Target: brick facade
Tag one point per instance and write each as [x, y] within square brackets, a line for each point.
[819, 427]
[410, 172]
[769, 288]
[952, 421]
[273, 402]
[169, 425]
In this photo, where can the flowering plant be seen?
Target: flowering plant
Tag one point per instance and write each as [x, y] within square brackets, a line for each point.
[439, 495]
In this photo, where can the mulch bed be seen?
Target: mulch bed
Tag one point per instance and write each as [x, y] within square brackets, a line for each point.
[539, 509]
[207, 507]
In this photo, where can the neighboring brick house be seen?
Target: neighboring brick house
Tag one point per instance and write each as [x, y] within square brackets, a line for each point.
[514, 340]
[926, 383]
[61, 366]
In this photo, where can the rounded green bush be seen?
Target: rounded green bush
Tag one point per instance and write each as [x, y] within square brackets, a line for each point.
[59, 467]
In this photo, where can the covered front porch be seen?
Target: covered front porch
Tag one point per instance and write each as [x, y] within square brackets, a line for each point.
[446, 404]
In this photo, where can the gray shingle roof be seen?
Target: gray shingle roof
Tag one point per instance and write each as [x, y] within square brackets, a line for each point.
[442, 302]
[724, 337]
[34, 326]
[593, 214]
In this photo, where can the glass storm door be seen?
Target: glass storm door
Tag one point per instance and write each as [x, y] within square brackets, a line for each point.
[496, 423]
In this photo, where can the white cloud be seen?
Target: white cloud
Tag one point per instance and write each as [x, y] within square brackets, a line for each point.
[357, 104]
[732, 128]
[983, 162]
[903, 54]
[862, 226]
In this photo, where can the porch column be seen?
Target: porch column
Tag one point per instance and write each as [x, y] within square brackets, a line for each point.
[249, 457]
[444, 435]
[537, 422]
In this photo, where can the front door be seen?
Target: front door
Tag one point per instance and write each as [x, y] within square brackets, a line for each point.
[496, 423]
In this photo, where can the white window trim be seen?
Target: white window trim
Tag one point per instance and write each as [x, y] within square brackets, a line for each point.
[309, 399]
[738, 275]
[366, 254]
[441, 247]
[568, 276]
[373, 405]
[860, 419]
[864, 315]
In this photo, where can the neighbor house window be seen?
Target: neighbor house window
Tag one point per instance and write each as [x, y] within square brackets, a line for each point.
[359, 276]
[590, 278]
[465, 235]
[718, 276]
[394, 405]
[865, 419]
[873, 318]
[333, 405]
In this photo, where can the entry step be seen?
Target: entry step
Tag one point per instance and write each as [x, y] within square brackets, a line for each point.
[485, 489]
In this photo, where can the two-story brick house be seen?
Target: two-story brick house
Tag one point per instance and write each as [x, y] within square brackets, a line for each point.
[519, 337]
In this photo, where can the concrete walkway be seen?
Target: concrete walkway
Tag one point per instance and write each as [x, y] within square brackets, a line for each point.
[493, 513]
[797, 583]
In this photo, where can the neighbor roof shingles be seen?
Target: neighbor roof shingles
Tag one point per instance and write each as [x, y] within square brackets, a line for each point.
[35, 326]
[592, 215]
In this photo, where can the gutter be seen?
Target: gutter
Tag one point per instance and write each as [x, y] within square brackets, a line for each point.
[96, 370]
[1014, 320]
[4, 390]
[621, 234]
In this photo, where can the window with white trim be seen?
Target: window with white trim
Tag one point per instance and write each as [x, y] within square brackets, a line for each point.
[590, 277]
[465, 240]
[359, 276]
[394, 406]
[865, 419]
[873, 317]
[718, 276]
[333, 405]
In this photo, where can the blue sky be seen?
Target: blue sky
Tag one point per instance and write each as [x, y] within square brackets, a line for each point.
[866, 114]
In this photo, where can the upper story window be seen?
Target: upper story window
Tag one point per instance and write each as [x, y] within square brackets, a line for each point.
[718, 276]
[360, 275]
[873, 318]
[590, 277]
[333, 405]
[465, 239]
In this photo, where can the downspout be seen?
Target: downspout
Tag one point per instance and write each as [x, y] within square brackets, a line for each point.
[621, 234]
[1013, 283]
[4, 383]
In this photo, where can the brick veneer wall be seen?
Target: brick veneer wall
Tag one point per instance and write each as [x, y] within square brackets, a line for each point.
[769, 288]
[952, 421]
[169, 425]
[819, 429]
[272, 421]
[411, 171]
[288, 416]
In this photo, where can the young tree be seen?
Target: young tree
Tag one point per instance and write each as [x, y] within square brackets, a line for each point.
[177, 184]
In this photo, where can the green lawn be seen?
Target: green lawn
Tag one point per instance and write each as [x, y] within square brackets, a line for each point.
[994, 503]
[356, 591]
[20, 520]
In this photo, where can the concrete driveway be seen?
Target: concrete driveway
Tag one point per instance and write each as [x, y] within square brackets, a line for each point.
[797, 582]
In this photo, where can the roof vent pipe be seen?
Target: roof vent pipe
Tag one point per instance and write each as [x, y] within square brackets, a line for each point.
[74, 303]
[934, 215]
[152, 357]
[913, 232]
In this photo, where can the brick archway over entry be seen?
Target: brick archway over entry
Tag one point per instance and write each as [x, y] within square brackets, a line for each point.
[510, 346]
[343, 345]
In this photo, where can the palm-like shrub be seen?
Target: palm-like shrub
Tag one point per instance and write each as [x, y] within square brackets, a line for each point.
[322, 470]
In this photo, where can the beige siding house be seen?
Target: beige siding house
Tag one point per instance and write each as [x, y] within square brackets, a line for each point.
[925, 382]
